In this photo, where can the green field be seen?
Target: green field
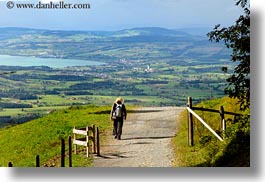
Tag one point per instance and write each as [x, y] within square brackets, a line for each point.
[146, 66]
[21, 143]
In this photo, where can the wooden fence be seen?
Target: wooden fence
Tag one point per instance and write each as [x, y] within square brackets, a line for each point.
[94, 137]
[85, 141]
[191, 113]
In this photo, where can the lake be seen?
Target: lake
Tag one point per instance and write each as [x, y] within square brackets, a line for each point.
[6, 60]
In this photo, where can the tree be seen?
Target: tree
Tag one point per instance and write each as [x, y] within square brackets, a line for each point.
[237, 37]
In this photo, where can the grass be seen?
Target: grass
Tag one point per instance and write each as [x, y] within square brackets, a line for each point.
[208, 150]
[42, 110]
[49, 103]
[21, 143]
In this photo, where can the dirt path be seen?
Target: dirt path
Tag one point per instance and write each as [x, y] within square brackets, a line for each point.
[146, 140]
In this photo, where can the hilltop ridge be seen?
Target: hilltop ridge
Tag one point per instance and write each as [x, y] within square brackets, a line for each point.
[140, 31]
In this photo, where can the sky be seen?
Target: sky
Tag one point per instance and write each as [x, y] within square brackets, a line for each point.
[123, 14]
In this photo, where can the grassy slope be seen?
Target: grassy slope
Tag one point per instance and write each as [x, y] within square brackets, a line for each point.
[208, 150]
[20, 144]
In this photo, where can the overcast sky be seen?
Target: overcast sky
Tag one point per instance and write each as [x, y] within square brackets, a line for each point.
[122, 14]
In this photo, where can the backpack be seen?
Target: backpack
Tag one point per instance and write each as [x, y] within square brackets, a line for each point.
[118, 111]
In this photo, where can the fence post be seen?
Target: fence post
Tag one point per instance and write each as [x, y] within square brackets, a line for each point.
[70, 150]
[75, 146]
[94, 138]
[223, 123]
[63, 153]
[37, 161]
[190, 123]
[98, 143]
[87, 140]
[10, 164]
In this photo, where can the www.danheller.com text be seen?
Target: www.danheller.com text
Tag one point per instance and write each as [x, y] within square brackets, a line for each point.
[49, 5]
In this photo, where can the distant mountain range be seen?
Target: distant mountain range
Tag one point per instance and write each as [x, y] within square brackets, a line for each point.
[11, 32]
[150, 43]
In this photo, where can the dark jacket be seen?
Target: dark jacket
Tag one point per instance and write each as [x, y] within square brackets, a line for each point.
[124, 112]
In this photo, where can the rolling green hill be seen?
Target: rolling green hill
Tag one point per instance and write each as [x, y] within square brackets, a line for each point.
[107, 46]
[150, 66]
[21, 143]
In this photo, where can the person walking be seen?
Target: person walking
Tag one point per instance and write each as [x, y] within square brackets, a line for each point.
[118, 114]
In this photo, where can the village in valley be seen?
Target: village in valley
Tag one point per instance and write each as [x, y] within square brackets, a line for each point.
[149, 66]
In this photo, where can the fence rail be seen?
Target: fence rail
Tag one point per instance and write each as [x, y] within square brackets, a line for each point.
[216, 111]
[204, 123]
[86, 138]
[191, 113]
[94, 138]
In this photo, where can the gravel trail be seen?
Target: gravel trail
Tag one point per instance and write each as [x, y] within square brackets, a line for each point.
[146, 140]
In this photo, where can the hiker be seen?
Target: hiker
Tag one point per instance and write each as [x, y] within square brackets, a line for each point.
[118, 114]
